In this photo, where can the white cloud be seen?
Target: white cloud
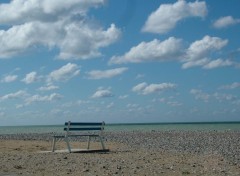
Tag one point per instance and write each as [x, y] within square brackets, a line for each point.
[99, 74]
[19, 106]
[226, 21]
[17, 11]
[139, 76]
[169, 101]
[64, 73]
[200, 95]
[9, 78]
[200, 52]
[102, 93]
[174, 103]
[224, 97]
[132, 105]
[207, 63]
[52, 24]
[17, 95]
[83, 42]
[139, 87]
[110, 105]
[155, 50]
[217, 63]
[195, 63]
[203, 48]
[234, 85]
[39, 98]
[31, 78]
[48, 88]
[144, 88]
[166, 16]
[220, 97]
[81, 102]
[123, 96]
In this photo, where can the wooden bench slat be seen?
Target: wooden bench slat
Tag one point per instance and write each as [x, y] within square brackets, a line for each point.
[75, 135]
[84, 123]
[83, 129]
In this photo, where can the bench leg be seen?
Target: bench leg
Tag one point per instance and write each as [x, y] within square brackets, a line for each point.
[88, 146]
[53, 144]
[68, 145]
[103, 146]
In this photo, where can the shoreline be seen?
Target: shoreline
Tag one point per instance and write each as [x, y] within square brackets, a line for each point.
[131, 153]
[128, 127]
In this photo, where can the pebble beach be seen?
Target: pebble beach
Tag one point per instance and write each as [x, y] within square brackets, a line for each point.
[131, 153]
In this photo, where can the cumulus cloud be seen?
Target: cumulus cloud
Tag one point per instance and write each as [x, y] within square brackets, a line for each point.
[220, 97]
[17, 11]
[9, 78]
[203, 48]
[207, 63]
[194, 63]
[167, 16]
[134, 108]
[200, 52]
[155, 50]
[144, 88]
[139, 76]
[29, 99]
[102, 93]
[224, 97]
[101, 74]
[169, 101]
[51, 24]
[200, 95]
[17, 95]
[31, 78]
[218, 63]
[48, 88]
[64, 73]
[123, 96]
[110, 105]
[85, 42]
[234, 85]
[39, 98]
[224, 22]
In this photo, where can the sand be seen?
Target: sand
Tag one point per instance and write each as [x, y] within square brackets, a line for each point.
[131, 153]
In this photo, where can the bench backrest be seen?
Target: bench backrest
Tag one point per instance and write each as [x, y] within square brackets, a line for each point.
[83, 126]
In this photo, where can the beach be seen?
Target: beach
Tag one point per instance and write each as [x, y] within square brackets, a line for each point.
[131, 153]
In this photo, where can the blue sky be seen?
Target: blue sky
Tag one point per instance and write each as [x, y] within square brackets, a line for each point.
[119, 61]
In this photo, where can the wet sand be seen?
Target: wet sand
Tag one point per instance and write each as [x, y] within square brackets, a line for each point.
[131, 153]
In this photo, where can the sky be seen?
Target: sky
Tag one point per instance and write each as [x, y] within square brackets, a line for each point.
[128, 61]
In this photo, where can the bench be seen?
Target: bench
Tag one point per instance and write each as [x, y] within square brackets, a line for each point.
[76, 129]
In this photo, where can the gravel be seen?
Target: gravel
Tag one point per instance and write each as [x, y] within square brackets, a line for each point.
[226, 143]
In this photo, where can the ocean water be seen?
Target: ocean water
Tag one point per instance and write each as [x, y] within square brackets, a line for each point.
[128, 127]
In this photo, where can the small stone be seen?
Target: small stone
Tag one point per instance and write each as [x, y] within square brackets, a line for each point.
[86, 170]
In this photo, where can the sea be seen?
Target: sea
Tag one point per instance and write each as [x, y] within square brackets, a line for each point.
[206, 126]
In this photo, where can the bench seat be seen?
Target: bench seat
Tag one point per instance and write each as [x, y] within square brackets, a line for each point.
[76, 129]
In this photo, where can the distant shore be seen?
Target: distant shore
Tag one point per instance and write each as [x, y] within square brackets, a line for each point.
[131, 153]
[191, 126]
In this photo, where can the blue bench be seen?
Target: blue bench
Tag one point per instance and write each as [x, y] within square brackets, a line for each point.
[76, 129]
